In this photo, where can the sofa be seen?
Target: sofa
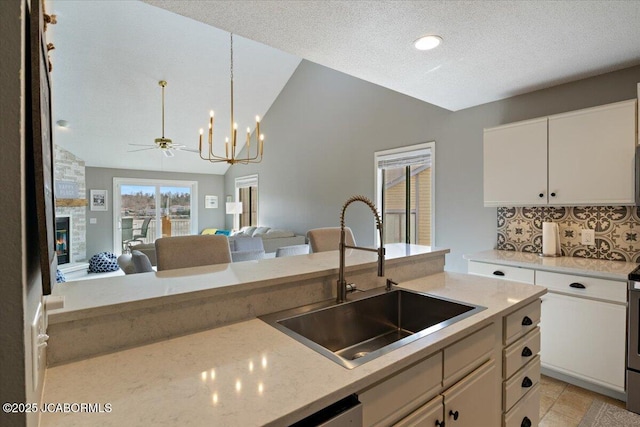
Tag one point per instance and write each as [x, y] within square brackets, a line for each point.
[272, 238]
[246, 249]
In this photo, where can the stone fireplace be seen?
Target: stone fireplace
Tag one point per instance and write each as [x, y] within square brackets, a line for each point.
[63, 241]
[69, 177]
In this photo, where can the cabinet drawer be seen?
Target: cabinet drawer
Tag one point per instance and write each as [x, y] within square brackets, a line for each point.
[527, 408]
[521, 352]
[609, 290]
[521, 321]
[430, 414]
[388, 401]
[521, 382]
[468, 353]
[504, 272]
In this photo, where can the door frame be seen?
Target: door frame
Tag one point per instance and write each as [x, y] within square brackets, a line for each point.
[119, 181]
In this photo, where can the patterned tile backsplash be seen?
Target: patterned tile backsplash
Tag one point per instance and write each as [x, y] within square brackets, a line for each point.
[617, 230]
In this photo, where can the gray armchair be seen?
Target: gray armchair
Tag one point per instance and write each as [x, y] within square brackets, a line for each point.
[246, 249]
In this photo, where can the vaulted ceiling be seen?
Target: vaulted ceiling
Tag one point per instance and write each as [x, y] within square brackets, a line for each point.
[110, 55]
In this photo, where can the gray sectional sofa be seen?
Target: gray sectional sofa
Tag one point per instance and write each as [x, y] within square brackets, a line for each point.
[272, 238]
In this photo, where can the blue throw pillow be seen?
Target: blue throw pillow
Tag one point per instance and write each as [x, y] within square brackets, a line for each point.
[103, 262]
[223, 232]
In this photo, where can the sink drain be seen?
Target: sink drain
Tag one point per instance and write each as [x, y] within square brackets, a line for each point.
[359, 354]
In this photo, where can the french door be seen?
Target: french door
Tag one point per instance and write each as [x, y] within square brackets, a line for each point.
[147, 209]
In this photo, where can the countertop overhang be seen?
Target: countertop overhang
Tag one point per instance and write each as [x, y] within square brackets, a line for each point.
[90, 298]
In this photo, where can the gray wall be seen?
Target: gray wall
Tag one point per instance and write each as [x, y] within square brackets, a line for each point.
[100, 235]
[21, 285]
[323, 130]
[321, 133]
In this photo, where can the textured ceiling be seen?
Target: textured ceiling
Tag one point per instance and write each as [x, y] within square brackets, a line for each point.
[491, 49]
[110, 55]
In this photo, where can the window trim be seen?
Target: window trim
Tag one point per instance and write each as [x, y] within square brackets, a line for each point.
[396, 153]
[243, 182]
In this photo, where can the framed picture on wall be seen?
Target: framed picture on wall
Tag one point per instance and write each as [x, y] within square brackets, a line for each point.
[98, 200]
[210, 202]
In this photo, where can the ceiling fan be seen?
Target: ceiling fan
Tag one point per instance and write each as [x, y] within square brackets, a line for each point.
[165, 144]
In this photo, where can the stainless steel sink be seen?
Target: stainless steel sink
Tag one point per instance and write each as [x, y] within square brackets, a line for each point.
[355, 332]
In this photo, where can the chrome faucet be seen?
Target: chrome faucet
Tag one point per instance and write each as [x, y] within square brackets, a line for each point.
[342, 283]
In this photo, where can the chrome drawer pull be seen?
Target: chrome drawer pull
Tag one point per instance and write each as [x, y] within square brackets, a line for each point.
[577, 285]
[526, 382]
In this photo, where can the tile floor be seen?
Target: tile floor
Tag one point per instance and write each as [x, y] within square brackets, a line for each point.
[564, 405]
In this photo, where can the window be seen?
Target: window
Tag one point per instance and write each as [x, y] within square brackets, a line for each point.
[146, 209]
[405, 193]
[247, 194]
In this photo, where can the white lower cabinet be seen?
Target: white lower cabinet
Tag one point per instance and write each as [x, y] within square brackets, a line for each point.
[457, 386]
[470, 402]
[473, 401]
[582, 325]
[393, 398]
[584, 338]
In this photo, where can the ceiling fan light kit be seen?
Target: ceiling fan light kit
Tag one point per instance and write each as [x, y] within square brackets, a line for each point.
[165, 144]
[230, 146]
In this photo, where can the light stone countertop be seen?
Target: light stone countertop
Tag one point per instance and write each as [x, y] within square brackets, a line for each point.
[249, 373]
[87, 298]
[615, 270]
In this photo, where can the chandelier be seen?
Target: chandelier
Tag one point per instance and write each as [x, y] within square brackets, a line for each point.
[230, 146]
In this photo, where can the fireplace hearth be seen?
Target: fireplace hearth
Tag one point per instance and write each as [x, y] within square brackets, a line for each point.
[63, 240]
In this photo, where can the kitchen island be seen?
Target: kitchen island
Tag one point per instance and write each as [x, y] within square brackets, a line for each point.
[250, 374]
[105, 315]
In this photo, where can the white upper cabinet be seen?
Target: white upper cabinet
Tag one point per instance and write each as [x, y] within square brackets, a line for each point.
[515, 164]
[592, 156]
[586, 157]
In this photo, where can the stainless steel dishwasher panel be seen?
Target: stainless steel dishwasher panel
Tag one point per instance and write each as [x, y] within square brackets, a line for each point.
[344, 413]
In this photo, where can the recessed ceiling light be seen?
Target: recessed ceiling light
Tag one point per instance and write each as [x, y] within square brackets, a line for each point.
[427, 42]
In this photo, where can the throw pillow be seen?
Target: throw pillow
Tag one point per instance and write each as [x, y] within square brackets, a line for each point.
[260, 231]
[60, 276]
[207, 231]
[103, 262]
